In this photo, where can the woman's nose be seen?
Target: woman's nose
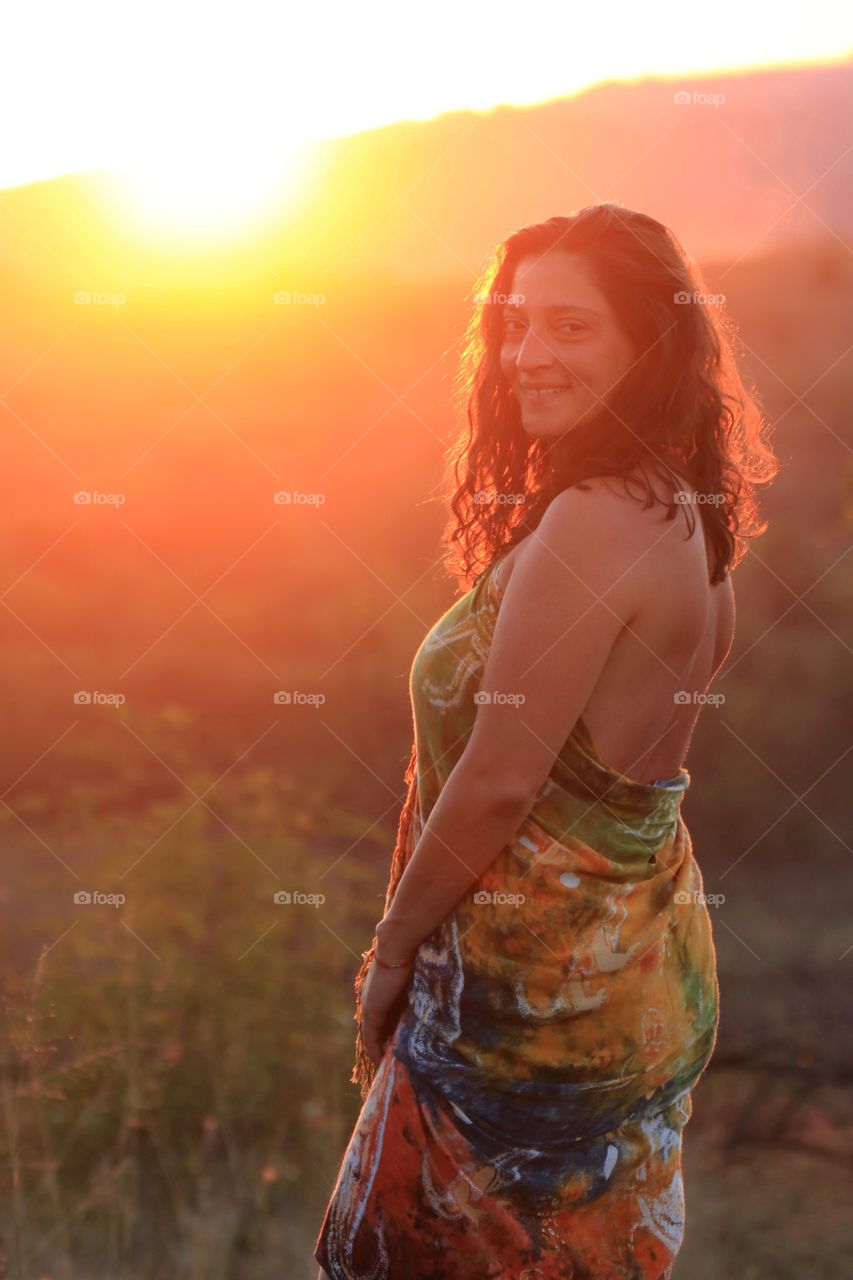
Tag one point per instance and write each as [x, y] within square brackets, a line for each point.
[534, 351]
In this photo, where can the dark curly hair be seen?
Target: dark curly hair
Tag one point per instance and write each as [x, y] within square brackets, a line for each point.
[681, 411]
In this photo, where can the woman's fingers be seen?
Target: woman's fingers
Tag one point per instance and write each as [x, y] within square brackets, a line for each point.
[373, 1038]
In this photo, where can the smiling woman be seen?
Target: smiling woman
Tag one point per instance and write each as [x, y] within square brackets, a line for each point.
[563, 348]
[526, 1062]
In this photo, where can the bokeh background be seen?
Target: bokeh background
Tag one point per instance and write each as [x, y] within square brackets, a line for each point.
[221, 518]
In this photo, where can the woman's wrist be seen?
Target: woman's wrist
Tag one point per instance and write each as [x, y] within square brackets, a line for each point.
[391, 948]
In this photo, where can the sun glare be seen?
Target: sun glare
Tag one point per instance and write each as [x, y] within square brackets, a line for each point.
[204, 200]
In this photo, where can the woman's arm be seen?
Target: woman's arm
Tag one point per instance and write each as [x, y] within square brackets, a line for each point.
[571, 593]
[472, 820]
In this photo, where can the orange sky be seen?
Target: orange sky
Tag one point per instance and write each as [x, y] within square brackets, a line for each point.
[159, 87]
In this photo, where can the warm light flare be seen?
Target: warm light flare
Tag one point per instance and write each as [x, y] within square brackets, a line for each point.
[205, 198]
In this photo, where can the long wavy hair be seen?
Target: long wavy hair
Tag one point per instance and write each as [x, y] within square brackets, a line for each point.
[680, 411]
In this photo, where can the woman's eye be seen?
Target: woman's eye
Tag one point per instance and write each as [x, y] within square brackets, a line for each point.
[568, 326]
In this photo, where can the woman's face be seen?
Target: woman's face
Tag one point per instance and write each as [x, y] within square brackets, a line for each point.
[559, 332]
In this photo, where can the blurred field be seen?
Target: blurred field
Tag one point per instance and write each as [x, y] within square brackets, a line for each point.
[175, 1070]
[176, 1074]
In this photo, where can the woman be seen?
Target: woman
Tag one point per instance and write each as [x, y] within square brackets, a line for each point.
[541, 994]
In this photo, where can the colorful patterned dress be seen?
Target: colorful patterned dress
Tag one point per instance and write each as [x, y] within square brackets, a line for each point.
[526, 1119]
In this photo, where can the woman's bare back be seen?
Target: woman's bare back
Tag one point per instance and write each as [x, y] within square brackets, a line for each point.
[643, 710]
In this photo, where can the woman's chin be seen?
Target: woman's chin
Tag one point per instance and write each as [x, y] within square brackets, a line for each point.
[547, 430]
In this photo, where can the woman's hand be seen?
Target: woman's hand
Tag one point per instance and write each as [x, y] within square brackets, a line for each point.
[382, 1002]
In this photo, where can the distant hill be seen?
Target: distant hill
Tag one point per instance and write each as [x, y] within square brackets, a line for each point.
[722, 176]
[427, 199]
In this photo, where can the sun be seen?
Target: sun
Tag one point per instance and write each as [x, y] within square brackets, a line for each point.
[202, 198]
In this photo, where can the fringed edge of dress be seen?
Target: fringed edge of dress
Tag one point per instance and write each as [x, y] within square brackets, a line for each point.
[364, 1070]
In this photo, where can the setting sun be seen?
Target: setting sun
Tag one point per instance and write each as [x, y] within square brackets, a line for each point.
[205, 198]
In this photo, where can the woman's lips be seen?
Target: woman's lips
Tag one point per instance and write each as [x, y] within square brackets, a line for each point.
[542, 395]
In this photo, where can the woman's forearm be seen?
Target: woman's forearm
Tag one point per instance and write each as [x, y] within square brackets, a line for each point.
[470, 823]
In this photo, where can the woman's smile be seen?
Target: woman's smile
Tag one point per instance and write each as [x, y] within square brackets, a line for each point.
[539, 395]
